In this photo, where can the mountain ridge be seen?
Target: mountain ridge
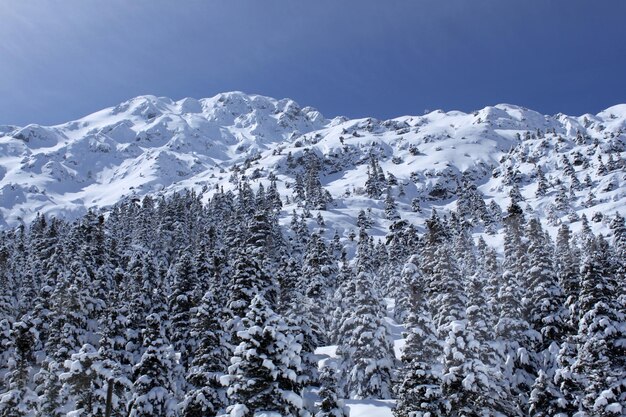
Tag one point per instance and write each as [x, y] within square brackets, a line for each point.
[150, 144]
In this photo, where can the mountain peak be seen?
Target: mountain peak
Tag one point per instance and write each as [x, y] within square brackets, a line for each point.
[154, 144]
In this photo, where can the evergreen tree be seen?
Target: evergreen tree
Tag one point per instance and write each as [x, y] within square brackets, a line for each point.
[19, 400]
[206, 396]
[375, 183]
[419, 392]
[87, 378]
[331, 405]
[319, 276]
[542, 183]
[543, 401]
[391, 208]
[153, 386]
[368, 355]
[512, 329]
[182, 301]
[568, 275]
[544, 302]
[113, 361]
[264, 375]
[600, 353]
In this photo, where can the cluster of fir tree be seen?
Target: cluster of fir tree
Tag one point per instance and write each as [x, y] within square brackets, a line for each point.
[167, 307]
[192, 309]
[154, 300]
[539, 334]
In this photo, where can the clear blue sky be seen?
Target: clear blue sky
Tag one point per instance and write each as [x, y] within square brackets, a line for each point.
[60, 60]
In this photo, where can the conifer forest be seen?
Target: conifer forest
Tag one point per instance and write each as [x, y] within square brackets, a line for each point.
[449, 264]
[174, 307]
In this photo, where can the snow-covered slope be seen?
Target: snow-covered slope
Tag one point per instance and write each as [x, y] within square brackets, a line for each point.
[154, 144]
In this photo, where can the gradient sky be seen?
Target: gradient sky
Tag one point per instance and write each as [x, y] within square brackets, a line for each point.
[60, 60]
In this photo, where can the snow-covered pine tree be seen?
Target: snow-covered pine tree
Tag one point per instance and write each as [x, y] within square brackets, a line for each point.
[542, 183]
[513, 332]
[330, 405]
[206, 396]
[153, 386]
[183, 299]
[375, 183]
[317, 197]
[419, 390]
[449, 301]
[410, 278]
[319, 276]
[468, 385]
[544, 297]
[600, 353]
[391, 207]
[114, 361]
[489, 269]
[307, 330]
[435, 237]
[266, 365]
[567, 262]
[19, 400]
[400, 242]
[544, 397]
[367, 356]
[248, 279]
[87, 380]
[341, 317]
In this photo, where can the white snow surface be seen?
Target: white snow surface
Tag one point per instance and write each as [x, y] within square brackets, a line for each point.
[369, 408]
[153, 145]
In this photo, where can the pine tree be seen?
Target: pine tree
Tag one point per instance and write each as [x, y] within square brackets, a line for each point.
[375, 182]
[317, 197]
[248, 280]
[467, 384]
[368, 355]
[113, 361]
[415, 205]
[515, 195]
[48, 390]
[363, 221]
[391, 208]
[618, 227]
[182, 301]
[210, 361]
[568, 275]
[544, 300]
[19, 400]
[341, 322]
[419, 392]
[410, 277]
[449, 299]
[543, 401]
[331, 405]
[542, 183]
[600, 353]
[264, 375]
[512, 330]
[87, 379]
[306, 328]
[319, 275]
[153, 390]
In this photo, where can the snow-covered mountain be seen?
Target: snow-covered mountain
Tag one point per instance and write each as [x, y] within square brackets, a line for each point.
[156, 145]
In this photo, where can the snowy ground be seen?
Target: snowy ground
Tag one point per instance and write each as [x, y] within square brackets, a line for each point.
[370, 408]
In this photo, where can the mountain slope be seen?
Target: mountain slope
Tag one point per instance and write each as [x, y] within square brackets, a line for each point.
[154, 144]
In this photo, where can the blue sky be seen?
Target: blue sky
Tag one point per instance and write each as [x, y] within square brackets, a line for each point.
[60, 60]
